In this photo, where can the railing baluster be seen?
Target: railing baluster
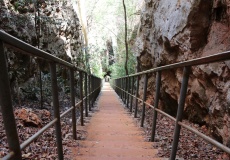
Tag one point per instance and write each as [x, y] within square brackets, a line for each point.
[90, 92]
[157, 96]
[56, 109]
[7, 108]
[96, 84]
[6, 104]
[72, 93]
[180, 110]
[120, 92]
[136, 104]
[93, 89]
[122, 88]
[131, 103]
[93, 95]
[99, 85]
[86, 99]
[96, 90]
[81, 98]
[120, 84]
[144, 99]
[128, 88]
[115, 85]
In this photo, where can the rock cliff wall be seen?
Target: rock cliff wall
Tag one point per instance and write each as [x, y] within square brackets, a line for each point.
[176, 30]
[52, 26]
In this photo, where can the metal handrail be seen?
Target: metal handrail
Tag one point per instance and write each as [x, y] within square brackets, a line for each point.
[222, 56]
[92, 89]
[31, 50]
[122, 87]
[26, 48]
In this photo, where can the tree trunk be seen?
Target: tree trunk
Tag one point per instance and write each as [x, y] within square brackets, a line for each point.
[82, 18]
[126, 43]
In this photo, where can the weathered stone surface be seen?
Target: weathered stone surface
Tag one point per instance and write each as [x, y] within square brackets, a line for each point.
[59, 35]
[28, 118]
[32, 118]
[176, 30]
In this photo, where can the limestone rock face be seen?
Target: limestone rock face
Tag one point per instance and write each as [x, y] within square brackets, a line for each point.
[52, 26]
[58, 26]
[176, 30]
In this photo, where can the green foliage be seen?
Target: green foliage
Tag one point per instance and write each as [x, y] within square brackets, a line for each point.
[105, 20]
[96, 70]
[96, 60]
[118, 69]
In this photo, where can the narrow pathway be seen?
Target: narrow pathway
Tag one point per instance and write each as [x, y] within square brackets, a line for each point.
[112, 133]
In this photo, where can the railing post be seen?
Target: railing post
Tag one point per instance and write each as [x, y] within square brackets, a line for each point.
[115, 85]
[121, 81]
[157, 96]
[123, 86]
[136, 95]
[124, 90]
[90, 92]
[120, 92]
[86, 99]
[128, 89]
[144, 99]
[93, 86]
[92, 78]
[72, 93]
[98, 87]
[118, 86]
[7, 108]
[56, 109]
[96, 90]
[81, 98]
[131, 103]
[180, 110]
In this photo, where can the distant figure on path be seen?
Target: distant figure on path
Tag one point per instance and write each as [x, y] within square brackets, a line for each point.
[107, 78]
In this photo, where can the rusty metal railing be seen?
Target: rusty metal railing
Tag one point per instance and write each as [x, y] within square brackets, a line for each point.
[122, 87]
[91, 91]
